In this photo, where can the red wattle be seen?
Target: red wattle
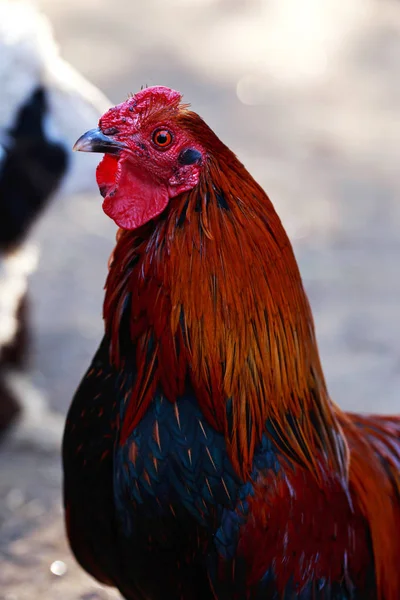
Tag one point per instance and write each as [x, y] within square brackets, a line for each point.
[131, 196]
[106, 174]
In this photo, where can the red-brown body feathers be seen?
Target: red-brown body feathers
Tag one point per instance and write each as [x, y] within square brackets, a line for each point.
[215, 301]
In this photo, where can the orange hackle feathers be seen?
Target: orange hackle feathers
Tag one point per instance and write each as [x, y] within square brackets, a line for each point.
[229, 311]
[237, 314]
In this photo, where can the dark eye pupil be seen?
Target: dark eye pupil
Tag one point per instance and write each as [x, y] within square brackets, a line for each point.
[162, 138]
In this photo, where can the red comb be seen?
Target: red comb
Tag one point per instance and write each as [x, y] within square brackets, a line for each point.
[157, 93]
[127, 113]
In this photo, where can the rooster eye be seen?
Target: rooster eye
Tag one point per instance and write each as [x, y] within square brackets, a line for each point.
[162, 138]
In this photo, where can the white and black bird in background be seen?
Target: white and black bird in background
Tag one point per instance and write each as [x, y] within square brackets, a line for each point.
[44, 106]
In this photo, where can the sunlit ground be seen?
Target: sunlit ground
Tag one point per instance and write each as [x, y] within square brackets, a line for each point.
[309, 100]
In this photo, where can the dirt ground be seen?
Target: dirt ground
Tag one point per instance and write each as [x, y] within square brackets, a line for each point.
[310, 103]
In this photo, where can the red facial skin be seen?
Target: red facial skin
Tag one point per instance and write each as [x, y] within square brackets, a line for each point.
[138, 183]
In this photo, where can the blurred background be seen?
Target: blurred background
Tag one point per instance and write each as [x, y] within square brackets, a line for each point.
[307, 94]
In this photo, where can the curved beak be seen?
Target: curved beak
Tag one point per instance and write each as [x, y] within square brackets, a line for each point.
[95, 141]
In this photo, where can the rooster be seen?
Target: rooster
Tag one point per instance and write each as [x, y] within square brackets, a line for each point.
[202, 455]
[44, 105]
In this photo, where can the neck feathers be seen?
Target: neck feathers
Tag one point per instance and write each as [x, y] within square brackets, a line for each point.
[214, 297]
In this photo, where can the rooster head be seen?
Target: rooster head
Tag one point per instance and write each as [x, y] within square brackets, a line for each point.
[151, 155]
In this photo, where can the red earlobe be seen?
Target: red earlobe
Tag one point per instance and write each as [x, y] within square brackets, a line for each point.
[185, 179]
